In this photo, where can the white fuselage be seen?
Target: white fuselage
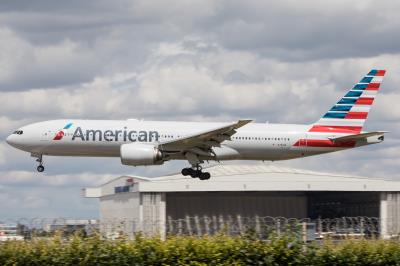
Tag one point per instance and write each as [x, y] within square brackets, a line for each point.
[103, 138]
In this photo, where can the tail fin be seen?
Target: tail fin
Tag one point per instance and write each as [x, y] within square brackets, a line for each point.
[351, 111]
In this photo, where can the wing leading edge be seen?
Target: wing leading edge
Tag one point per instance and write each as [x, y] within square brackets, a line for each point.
[201, 143]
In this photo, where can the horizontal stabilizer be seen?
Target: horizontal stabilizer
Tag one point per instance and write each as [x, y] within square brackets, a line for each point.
[359, 136]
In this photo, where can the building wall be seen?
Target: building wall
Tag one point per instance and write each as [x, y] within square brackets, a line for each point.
[120, 213]
[244, 204]
[390, 214]
[132, 212]
[153, 213]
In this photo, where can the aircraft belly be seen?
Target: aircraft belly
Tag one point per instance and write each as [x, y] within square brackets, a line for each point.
[261, 151]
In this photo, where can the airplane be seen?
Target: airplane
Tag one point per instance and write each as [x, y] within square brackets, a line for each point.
[140, 143]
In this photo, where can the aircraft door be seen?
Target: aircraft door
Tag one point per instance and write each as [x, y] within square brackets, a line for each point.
[298, 146]
[304, 146]
[301, 145]
[45, 136]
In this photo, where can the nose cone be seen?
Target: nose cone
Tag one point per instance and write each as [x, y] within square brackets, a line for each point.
[11, 140]
[8, 140]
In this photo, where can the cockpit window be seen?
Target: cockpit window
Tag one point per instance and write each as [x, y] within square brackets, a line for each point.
[18, 132]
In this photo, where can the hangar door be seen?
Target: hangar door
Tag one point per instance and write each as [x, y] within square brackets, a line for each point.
[228, 204]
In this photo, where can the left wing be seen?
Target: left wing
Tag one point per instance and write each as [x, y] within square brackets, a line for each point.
[201, 143]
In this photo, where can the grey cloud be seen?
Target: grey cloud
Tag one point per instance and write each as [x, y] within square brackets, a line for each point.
[309, 30]
[109, 37]
[45, 202]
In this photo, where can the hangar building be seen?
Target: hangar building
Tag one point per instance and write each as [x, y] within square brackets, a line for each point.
[242, 191]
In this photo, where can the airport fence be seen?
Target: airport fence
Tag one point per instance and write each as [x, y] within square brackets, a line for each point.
[263, 227]
[257, 227]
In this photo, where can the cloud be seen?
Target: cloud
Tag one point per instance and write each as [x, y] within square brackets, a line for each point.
[55, 45]
[22, 203]
[2, 155]
[195, 80]
[292, 31]
[42, 66]
[34, 179]
[25, 194]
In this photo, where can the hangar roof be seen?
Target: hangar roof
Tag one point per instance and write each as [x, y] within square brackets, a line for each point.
[255, 177]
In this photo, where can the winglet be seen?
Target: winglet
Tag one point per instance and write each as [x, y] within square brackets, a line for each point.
[242, 122]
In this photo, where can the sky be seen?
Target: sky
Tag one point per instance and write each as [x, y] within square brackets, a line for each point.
[272, 61]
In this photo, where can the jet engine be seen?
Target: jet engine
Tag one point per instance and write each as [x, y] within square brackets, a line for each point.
[140, 154]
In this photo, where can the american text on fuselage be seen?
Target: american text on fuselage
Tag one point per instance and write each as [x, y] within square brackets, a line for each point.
[115, 135]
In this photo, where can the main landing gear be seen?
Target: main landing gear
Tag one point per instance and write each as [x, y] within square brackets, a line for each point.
[39, 159]
[196, 172]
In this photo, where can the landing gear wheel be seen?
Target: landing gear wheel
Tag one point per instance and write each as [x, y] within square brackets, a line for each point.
[186, 171]
[40, 168]
[198, 173]
[193, 173]
[205, 176]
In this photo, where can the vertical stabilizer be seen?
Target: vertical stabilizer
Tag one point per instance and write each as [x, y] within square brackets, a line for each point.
[350, 112]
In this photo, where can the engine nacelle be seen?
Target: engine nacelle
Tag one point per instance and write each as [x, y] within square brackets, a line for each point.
[140, 154]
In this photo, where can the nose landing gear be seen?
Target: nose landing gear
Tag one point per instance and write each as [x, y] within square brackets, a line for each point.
[40, 168]
[196, 171]
[39, 159]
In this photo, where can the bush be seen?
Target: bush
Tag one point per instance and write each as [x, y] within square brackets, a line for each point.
[208, 250]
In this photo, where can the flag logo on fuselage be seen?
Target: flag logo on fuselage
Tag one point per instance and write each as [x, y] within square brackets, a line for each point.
[60, 134]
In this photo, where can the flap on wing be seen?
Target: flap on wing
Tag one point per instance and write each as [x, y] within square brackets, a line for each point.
[207, 138]
[359, 136]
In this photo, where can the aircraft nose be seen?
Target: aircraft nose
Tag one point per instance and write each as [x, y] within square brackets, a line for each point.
[11, 140]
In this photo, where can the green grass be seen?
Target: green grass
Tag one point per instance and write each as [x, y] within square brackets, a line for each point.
[213, 250]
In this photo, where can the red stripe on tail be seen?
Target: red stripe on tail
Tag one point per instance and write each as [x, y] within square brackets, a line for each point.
[380, 73]
[373, 87]
[365, 101]
[336, 129]
[356, 115]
